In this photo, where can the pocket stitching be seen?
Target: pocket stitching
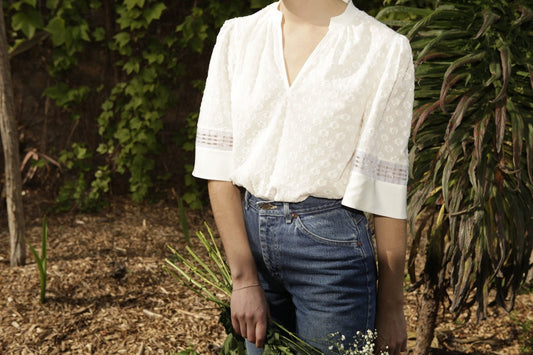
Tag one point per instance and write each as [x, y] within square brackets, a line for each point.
[302, 228]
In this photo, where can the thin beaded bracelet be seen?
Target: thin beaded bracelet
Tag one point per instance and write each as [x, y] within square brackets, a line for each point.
[242, 288]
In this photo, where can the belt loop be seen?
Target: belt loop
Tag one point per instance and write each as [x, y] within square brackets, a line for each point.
[246, 197]
[287, 213]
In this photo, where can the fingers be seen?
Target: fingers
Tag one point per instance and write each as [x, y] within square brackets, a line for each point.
[260, 334]
[249, 314]
[391, 346]
[398, 349]
[252, 326]
[237, 326]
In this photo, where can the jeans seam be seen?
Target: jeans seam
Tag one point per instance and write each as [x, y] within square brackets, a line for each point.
[368, 288]
[370, 304]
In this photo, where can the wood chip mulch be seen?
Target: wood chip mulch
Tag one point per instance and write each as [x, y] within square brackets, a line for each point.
[107, 292]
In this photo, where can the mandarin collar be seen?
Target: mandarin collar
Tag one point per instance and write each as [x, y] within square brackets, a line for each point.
[346, 17]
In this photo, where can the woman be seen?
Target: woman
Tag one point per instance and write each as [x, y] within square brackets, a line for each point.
[307, 106]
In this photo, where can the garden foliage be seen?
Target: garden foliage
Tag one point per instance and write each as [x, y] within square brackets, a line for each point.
[471, 187]
[148, 44]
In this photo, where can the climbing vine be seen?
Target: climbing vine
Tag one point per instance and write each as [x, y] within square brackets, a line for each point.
[150, 44]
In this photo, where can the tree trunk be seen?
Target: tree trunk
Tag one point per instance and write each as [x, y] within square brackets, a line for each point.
[427, 319]
[529, 278]
[8, 129]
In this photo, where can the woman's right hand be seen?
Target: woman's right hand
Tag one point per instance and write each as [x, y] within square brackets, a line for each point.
[249, 313]
[249, 308]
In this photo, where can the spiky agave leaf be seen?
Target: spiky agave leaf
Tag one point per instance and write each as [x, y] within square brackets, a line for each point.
[472, 144]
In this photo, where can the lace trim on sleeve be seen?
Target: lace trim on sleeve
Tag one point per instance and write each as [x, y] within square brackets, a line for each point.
[214, 139]
[369, 165]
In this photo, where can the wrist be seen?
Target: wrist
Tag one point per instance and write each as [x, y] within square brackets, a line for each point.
[235, 289]
[244, 277]
[243, 269]
[390, 293]
[390, 299]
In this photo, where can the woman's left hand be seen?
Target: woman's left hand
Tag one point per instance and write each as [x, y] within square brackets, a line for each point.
[391, 239]
[391, 328]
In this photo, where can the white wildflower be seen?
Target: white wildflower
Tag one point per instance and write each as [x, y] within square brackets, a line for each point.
[363, 344]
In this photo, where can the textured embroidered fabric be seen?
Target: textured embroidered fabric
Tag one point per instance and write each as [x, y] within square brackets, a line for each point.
[340, 130]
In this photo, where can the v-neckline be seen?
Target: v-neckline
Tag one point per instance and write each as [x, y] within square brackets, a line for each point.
[305, 64]
[281, 57]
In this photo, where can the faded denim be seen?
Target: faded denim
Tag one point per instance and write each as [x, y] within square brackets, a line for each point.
[316, 264]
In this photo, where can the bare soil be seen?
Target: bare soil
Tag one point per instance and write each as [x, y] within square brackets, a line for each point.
[107, 292]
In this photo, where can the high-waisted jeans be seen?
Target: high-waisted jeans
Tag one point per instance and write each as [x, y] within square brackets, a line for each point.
[316, 264]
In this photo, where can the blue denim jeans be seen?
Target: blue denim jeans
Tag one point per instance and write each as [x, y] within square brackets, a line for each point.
[317, 266]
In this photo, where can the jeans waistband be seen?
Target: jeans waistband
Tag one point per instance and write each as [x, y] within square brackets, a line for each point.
[309, 205]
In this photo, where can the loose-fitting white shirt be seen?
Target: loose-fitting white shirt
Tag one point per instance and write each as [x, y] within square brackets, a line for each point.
[341, 129]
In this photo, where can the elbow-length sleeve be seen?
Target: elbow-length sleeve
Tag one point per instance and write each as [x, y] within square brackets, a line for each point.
[379, 172]
[214, 138]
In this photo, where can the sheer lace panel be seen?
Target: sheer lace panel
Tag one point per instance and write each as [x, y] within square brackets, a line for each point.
[214, 139]
[380, 170]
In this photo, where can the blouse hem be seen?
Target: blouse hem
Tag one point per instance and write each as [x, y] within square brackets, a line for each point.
[213, 164]
[377, 197]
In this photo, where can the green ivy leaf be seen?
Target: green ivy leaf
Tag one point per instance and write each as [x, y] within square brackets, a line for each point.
[39, 163]
[125, 51]
[27, 22]
[102, 148]
[19, 4]
[153, 57]
[154, 12]
[135, 123]
[152, 116]
[123, 135]
[80, 151]
[128, 18]
[81, 31]
[95, 4]
[188, 146]
[64, 96]
[52, 4]
[107, 105]
[149, 75]
[56, 28]
[130, 4]
[132, 65]
[99, 34]
[57, 92]
[122, 38]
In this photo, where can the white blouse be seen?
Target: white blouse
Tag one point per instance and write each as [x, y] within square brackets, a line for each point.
[339, 131]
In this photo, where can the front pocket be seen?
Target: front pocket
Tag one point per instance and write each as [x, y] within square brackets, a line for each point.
[331, 227]
[363, 227]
